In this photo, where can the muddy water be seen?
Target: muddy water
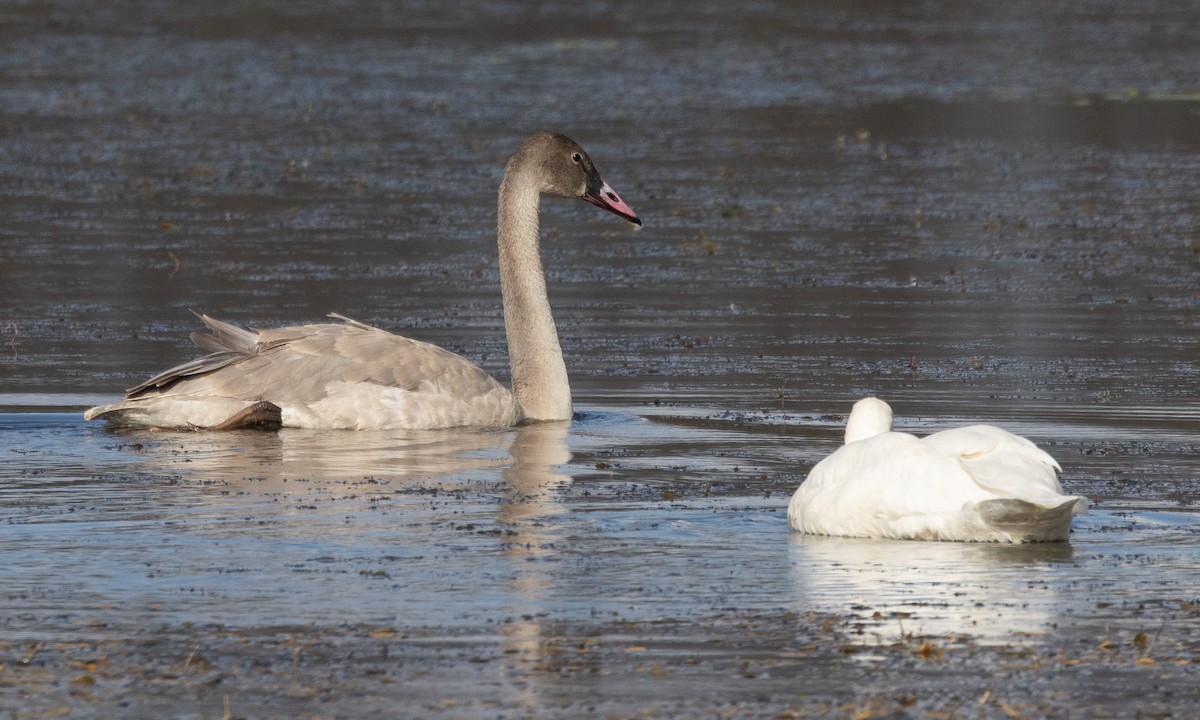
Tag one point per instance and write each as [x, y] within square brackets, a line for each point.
[978, 213]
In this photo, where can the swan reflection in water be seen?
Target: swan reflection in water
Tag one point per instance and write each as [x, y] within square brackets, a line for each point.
[894, 589]
[505, 483]
[530, 500]
[321, 457]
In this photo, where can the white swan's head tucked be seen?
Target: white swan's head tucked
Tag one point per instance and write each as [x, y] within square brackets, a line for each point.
[870, 417]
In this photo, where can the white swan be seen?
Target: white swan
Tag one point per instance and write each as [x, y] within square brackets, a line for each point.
[977, 483]
[352, 375]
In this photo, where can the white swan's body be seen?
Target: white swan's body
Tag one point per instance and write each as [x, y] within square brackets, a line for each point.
[977, 483]
[354, 376]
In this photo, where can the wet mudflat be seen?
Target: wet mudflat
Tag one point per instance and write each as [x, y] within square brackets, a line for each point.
[978, 213]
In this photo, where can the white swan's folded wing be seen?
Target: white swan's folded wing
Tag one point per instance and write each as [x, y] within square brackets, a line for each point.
[1000, 462]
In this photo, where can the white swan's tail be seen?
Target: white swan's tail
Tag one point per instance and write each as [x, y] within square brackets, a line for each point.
[1023, 521]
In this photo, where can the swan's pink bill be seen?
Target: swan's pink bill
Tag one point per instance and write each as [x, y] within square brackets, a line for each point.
[608, 199]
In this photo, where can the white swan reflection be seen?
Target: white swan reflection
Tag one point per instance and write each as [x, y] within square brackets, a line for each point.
[892, 589]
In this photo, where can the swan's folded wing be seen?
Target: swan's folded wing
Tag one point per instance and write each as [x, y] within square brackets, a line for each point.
[337, 375]
[299, 364]
[1005, 464]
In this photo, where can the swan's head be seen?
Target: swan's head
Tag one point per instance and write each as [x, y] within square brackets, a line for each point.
[870, 417]
[565, 170]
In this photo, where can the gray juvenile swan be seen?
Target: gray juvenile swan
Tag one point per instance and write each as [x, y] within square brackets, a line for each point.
[354, 376]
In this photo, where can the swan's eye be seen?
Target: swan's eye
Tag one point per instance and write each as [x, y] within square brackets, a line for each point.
[576, 158]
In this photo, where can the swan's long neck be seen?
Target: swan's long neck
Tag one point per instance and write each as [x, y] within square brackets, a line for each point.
[539, 375]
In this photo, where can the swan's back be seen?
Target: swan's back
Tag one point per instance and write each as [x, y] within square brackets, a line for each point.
[890, 485]
[326, 375]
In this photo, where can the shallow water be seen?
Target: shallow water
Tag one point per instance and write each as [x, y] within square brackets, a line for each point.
[241, 529]
[620, 530]
[980, 213]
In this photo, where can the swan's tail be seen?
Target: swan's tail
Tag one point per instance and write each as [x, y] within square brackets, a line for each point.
[226, 344]
[1024, 521]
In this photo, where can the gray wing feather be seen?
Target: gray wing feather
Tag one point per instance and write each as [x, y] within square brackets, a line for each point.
[226, 343]
[223, 337]
[298, 362]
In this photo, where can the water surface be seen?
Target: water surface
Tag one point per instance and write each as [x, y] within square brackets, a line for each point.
[980, 213]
